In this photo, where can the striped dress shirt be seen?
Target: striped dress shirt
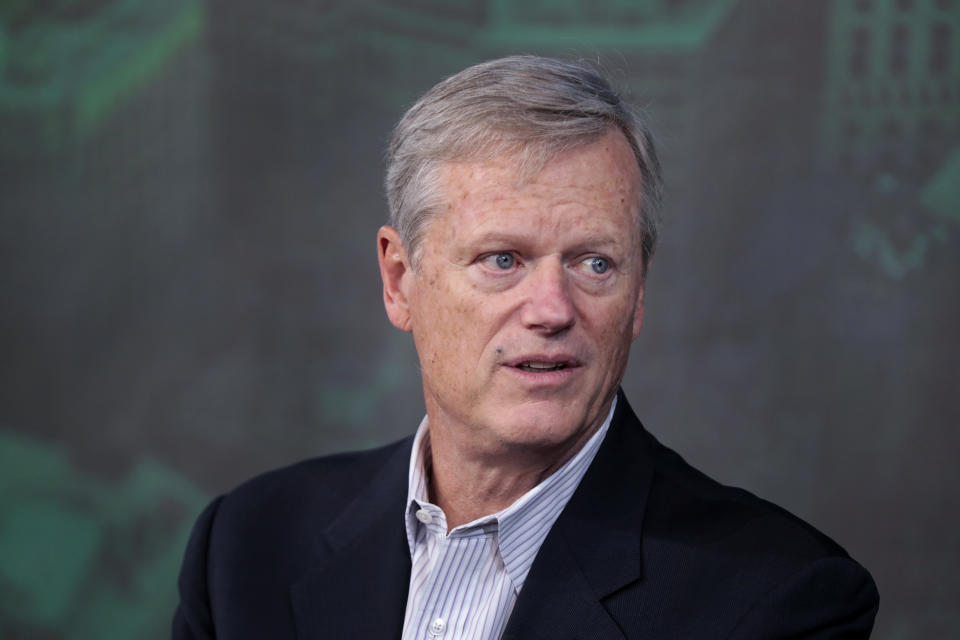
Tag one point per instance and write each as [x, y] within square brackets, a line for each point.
[463, 585]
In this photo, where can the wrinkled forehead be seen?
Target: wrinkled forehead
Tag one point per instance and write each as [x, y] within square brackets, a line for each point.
[595, 186]
[605, 164]
[529, 154]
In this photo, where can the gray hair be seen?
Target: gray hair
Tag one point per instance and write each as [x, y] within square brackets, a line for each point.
[527, 106]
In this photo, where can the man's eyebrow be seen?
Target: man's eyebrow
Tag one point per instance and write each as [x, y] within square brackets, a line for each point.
[501, 237]
[591, 241]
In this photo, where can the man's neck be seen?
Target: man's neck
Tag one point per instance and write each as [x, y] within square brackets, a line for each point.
[469, 482]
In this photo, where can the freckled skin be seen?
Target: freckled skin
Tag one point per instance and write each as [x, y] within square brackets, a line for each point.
[469, 316]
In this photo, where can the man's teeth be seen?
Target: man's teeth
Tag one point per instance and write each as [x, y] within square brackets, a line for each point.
[541, 366]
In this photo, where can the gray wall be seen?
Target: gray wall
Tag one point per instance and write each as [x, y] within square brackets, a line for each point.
[189, 194]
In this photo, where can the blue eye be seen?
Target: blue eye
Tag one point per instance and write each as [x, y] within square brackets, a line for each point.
[504, 260]
[599, 265]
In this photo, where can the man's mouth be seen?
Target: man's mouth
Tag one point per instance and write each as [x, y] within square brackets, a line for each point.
[540, 367]
[543, 362]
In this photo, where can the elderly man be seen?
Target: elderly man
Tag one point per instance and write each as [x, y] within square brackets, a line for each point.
[530, 503]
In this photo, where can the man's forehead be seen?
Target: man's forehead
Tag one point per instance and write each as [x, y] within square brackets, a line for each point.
[601, 168]
[589, 195]
[527, 160]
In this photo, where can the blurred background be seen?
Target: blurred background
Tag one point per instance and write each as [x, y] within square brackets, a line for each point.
[189, 192]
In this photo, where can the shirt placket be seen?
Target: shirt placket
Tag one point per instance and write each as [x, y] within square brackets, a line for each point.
[435, 616]
[446, 608]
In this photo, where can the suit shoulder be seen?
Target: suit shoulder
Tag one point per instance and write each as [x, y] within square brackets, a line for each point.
[255, 541]
[269, 524]
[687, 500]
[325, 482]
[288, 507]
[746, 564]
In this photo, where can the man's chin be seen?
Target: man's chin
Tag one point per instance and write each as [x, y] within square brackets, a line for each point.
[541, 426]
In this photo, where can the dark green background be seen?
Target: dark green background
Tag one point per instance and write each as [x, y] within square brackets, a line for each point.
[189, 294]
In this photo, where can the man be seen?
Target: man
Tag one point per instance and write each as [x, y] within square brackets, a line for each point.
[531, 503]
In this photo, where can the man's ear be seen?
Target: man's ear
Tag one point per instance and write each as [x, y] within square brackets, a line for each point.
[397, 276]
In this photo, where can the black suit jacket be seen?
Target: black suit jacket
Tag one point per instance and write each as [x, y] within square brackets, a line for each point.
[647, 547]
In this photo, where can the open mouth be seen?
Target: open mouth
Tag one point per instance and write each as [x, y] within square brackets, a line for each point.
[541, 367]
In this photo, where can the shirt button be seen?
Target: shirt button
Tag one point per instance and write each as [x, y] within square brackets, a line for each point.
[424, 516]
[437, 627]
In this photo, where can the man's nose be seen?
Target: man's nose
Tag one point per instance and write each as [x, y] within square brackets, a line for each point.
[548, 307]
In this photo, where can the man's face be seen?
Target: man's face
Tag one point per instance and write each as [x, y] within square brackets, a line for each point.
[527, 297]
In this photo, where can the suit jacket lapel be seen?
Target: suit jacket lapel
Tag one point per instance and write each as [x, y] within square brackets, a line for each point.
[358, 586]
[594, 548]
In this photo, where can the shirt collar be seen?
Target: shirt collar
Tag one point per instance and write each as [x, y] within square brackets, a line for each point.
[521, 527]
